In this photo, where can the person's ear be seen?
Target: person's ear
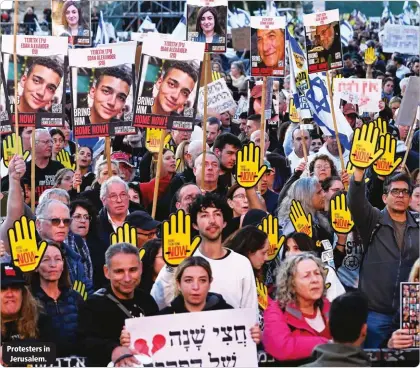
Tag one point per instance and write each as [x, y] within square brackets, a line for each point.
[384, 197]
[178, 205]
[92, 92]
[195, 226]
[224, 224]
[106, 272]
[159, 82]
[230, 203]
[23, 80]
[363, 331]
[216, 152]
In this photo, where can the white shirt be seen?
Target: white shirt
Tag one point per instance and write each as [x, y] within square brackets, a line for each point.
[233, 278]
[295, 160]
[336, 159]
[402, 71]
[113, 224]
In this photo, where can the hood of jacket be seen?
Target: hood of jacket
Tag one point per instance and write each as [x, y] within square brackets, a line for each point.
[339, 355]
[214, 301]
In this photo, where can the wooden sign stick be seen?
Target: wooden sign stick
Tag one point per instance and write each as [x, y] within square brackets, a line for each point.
[15, 70]
[204, 124]
[262, 127]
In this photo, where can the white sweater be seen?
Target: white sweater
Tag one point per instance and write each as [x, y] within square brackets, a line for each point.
[233, 278]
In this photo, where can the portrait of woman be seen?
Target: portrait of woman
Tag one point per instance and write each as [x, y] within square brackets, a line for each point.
[73, 21]
[208, 26]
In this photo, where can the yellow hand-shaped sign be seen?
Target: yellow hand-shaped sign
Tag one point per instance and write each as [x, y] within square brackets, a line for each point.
[262, 294]
[176, 239]
[248, 169]
[363, 150]
[9, 149]
[23, 246]
[80, 287]
[293, 111]
[370, 56]
[142, 252]
[124, 234]
[64, 158]
[381, 125]
[153, 139]
[178, 161]
[350, 170]
[301, 222]
[387, 164]
[270, 225]
[166, 143]
[341, 219]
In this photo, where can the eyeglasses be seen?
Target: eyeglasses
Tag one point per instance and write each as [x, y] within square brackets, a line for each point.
[57, 221]
[52, 261]
[78, 217]
[148, 235]
[397, 192]
[114, 197]
[46, 142]
[242, 197]
[320, 167]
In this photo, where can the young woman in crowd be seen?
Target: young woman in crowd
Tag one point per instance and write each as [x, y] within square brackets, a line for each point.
[58, 142]
[297, 243]
[64, 179]
[51, 286]
[415, 199]
[152, 263]
[134, 192]
[84, 162]
[181, 152]
[236, 80]
[297, 320]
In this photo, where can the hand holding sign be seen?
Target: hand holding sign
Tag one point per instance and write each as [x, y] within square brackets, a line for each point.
[270, 225]
[124, 234]
[301, 222]
[176, 239]
[64, 158]
[370, 56]
[341, 220]
[363, 150]
[262, 294]
[23, 246]
[9, 149]
[386, 165]
[248, 169]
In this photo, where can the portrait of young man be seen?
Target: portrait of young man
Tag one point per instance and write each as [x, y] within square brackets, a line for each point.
[109, 94]
[39, 85]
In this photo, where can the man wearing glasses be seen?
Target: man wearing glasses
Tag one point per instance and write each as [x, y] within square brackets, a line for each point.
[53, 223]
[391, 246]
[45, 167]
[146, 226]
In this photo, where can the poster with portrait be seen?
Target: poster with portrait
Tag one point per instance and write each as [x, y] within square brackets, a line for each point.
[410, 310]
[168, 85]
[323, 41]
[255, 89]
[42, 67]
[207, 23]
[102, 89]
[5, 125]
[71, 18]
[268, 46]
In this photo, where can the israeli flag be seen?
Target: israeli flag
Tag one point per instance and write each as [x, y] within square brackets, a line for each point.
[180, 31]
[405, 17]
[319, 103]
[102, 36]
[243, 17]
[346, 31]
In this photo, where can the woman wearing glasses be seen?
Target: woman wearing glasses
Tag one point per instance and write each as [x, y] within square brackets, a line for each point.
[50, 284]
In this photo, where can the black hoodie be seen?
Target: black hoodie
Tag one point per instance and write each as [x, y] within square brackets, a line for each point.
[214, 301]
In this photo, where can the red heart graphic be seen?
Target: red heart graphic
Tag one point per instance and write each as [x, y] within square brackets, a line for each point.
[159, 342]
[141, 347]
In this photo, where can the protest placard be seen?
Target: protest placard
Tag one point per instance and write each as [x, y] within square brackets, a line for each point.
[401, 38]
[36, 56]
[168, 83]
[242, 107]
[268, 46]
[241, 38]
[102, 81]
[219, 98]
[207, 23]
[410, 103]
[72, 19]
[203, 339]
[366, 93]
[5, 125]
[323, 41]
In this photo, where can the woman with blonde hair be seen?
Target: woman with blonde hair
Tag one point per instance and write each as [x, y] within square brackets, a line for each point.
[297, 320]
[180, 153]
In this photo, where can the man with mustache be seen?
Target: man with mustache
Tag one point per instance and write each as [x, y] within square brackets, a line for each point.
[233, 277]
[39, 85]
[109, 93]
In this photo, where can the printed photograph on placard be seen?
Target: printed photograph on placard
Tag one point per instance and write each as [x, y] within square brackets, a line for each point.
[71, 18]
[268, 46]
[41, 74]
[102, 90]
[323, 41]
[410, 310]
[207, 23]
[168, 85]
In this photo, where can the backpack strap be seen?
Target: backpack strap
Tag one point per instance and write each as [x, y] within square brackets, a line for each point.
[103, 292]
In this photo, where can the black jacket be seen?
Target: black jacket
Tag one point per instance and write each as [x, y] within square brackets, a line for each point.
[214, 301]
[101, 321]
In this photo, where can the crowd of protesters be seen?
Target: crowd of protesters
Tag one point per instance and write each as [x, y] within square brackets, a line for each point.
[317, 312]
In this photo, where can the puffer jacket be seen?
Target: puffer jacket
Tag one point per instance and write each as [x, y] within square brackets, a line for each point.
[384, 265]
[63, 313]
[214, 301]
[287, 336]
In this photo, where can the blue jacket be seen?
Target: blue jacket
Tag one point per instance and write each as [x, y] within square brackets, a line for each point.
[63, 313]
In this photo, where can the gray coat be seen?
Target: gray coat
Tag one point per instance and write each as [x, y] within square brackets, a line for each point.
[384, 265]
[338, 355]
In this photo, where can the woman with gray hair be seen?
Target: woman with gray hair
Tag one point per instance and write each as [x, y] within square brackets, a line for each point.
[297, 320]
[309, 193]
